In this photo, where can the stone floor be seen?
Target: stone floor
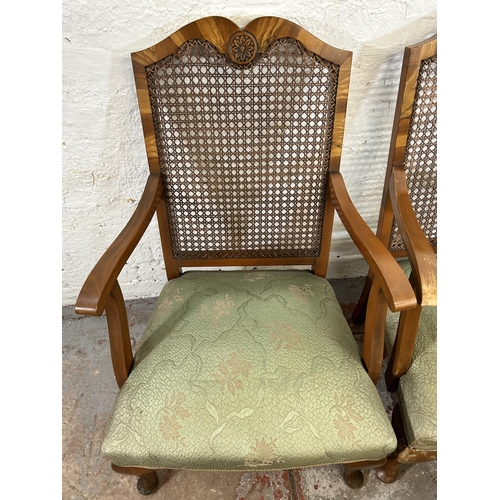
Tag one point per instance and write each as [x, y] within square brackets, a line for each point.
[89, 390]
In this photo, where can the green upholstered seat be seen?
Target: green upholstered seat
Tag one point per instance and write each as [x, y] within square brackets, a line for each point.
[241, 370]
[417, 389]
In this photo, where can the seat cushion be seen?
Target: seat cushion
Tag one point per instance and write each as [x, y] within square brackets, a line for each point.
[242, 370]
[417, 390]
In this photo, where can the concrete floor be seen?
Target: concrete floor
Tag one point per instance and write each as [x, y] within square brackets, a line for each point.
[89, 390]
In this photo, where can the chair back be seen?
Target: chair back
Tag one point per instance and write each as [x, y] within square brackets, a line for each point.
[414, 144]
[244, 126]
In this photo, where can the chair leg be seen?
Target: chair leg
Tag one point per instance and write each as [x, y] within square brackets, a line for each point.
[389, 472]
[359, 313]
[403, 454]
[353, 477]
[373, 346]
[147, 483]
[119, 336]
[403, 347]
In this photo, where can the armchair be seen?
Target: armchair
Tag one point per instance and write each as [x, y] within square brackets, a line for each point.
[408, 228]
[254, 369]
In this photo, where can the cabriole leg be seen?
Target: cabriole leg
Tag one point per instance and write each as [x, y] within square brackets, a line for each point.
[388, 473]
[148, 480]
[147, 483]
[353, 477]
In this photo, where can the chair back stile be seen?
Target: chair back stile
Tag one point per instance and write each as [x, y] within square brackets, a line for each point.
[244, 126]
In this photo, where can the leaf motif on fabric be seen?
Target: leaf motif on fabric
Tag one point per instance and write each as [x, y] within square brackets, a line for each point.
[212, 410]
[167, 303]
[291, 428]
[245, 413]
[345, 418]
[345, 404]
[262, 453]
[216, 433]
[238, 384]
[222, 308]
[294, 422]
[122, 432]
[172, 415]
[301, 293]
[170, 428]
[255, 276]
[232, 372]
[284, 335]
[239, 364]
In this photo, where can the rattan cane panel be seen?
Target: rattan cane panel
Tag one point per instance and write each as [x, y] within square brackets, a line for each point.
[244, 151]
[420, 160]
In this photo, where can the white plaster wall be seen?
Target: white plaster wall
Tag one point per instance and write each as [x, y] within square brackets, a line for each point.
[104, 162]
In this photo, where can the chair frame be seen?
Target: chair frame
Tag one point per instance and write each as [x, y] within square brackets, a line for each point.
[424, 279]
[101, 291]
[396, 204]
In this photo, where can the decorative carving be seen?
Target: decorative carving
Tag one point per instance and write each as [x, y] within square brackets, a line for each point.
[242, 47]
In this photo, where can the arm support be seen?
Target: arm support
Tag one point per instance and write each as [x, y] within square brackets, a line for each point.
[395, 285]
[101, 280]
[422, 257]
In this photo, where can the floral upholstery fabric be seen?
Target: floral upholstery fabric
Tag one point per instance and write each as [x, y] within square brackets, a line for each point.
[243, 370]
[417, 389]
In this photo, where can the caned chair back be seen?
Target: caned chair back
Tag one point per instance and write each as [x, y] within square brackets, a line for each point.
[414, 144]
[244, 126]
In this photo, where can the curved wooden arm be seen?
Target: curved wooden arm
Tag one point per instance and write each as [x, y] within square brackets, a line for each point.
[395, 285]
[98, 286]
[422, 257]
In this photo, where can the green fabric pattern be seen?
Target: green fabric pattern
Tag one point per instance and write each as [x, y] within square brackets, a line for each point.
[417, 389]
[246, 370]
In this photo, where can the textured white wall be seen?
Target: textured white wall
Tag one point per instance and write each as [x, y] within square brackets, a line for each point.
[104, 162]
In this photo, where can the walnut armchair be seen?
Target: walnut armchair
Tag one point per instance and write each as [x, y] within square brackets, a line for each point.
[408, 228]
[253, 369]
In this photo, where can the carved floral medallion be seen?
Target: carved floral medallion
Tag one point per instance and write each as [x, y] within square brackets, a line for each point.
[242, 47]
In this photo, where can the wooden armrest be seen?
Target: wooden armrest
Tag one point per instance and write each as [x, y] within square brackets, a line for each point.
[422, 257]
[395, 285]
[98, 286]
